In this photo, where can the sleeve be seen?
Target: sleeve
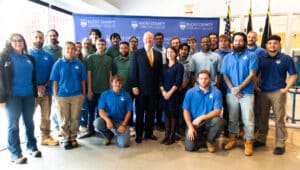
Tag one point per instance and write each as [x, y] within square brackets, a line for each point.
[2, 84]
[253, 65]
[134, 70]
[219, 59]
[83, 72]
[129, 103]
[102, 102]
[90, 63]
[218, 100]
[54, 76]
[223, 66]
[179, 75]
[291, 66]
[187, 101]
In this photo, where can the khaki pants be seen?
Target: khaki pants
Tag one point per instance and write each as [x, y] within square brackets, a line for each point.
[68, 115]
[45, 105]
[278, 101]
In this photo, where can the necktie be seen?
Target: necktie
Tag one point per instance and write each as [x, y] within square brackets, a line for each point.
[150, 58]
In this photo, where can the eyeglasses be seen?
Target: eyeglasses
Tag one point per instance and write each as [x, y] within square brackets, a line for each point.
[18, 40]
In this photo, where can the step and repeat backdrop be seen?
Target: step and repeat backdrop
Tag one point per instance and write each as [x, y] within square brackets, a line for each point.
[128, 26]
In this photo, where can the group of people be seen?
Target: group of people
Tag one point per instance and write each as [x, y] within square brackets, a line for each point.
[93, 88]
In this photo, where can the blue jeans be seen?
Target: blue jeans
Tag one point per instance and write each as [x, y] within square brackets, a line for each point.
[84, 113]
[207, 130]
[17, 106]
[123, 139]
[246, 103]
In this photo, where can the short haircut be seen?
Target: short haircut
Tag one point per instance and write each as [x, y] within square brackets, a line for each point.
[117, 78]
[204, 72]
[159, 34]
[184, 44]
[274, 37]
[70, 43]
[133, 37]
[174, 38]
[101, 40]
[97, 31]
[240, 34]
[225, 37]
[213, 33]
[52, 30]
[191, 38]
[125, 43]
[115, 35]
[38, 31]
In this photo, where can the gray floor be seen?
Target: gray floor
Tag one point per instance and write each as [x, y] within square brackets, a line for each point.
[92, 155]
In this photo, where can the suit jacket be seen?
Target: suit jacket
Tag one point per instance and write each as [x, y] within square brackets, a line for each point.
[142, 75]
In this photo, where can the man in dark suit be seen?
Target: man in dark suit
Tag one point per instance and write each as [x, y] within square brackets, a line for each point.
[145, 70]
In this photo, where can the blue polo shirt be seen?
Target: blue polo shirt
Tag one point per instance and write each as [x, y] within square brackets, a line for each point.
[257, 50]
[199, 103]
[43, 63]
[237, 67]
[69, 75]
[22, 79]
[116, 105]
[273, 71]
[223, 53]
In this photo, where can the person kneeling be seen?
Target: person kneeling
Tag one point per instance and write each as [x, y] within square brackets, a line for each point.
[115, 106]
[202, 106]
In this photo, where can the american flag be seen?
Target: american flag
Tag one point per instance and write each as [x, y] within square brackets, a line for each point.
[267, 30]
[249, 25]
[227, 20]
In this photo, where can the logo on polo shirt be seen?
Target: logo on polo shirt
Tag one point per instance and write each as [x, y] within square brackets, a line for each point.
[210, 96]
[122, 98]
[77, 67]
[45, 58]
[245, 57]
[28, 61]
[278, 61]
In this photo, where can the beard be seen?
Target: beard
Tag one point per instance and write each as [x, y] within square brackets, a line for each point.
[54, 41]
[85, 52]
[239, 48]
[125, 54]
[38, 45]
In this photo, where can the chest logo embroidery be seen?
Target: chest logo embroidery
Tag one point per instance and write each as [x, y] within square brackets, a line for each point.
[278, 61]
[46, 58]
[210, 96]
[28, 61]
[77, 67]
[245, 58]
[122, 98]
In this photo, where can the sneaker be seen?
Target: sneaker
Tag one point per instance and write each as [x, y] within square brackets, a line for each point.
[21, 160]
[257, 144]
[58, 133]
[132, 131]
[49, 141]
[36, 154]
[83, 129]
[279, 151]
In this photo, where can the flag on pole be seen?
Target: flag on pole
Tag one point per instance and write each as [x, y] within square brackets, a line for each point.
[249, 25]
[267, 30]
[227, 25]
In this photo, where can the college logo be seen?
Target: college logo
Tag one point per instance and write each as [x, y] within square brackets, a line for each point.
[182, 25]
[28, 61]
[122, 98]
[278, 61]
[210, 96]
[245, 57]
[77, 67]
[83, 23]
[134, 24]
[45, 58]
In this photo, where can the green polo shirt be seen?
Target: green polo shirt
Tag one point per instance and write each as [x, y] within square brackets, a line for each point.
[121, 67]
[113, 51]
[56, 53]
[100, 67]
